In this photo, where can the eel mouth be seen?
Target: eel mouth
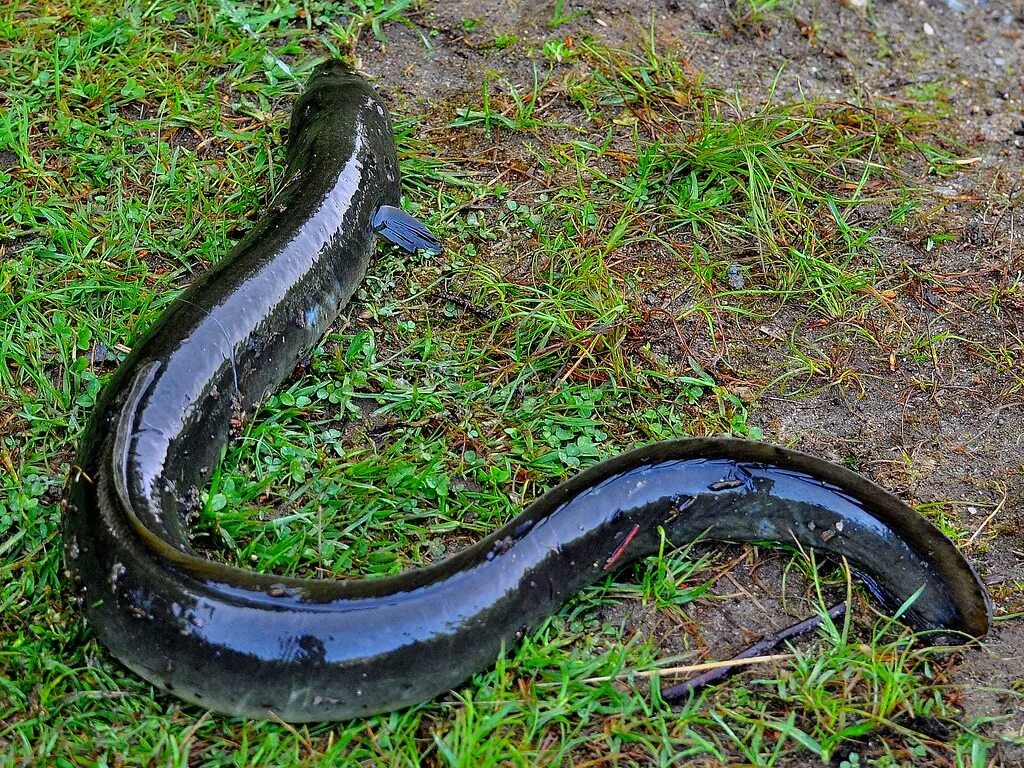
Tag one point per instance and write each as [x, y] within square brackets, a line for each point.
[334, 73]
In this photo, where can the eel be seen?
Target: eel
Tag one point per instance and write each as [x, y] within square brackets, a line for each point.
[267, 646]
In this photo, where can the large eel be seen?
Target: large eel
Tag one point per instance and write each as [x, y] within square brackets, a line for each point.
[261, 645]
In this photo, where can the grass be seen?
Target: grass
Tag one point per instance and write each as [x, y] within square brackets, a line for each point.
[584, 291]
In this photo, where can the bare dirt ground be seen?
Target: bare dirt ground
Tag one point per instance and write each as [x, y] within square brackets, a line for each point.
[945, 425]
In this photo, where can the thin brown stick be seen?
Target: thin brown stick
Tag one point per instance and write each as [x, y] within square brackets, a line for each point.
[731, 666]
[712, 665]
[996, 511]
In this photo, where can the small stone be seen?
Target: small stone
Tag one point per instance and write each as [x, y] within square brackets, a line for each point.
[929, 29]
[735, 277]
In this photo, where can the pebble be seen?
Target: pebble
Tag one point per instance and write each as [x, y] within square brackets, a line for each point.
[735, 277]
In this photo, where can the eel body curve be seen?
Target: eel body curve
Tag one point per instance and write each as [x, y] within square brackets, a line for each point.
[260, 645]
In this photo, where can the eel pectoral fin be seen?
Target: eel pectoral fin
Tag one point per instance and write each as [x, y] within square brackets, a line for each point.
[404, 230]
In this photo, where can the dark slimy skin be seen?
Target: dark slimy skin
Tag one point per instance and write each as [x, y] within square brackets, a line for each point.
[259, 645]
